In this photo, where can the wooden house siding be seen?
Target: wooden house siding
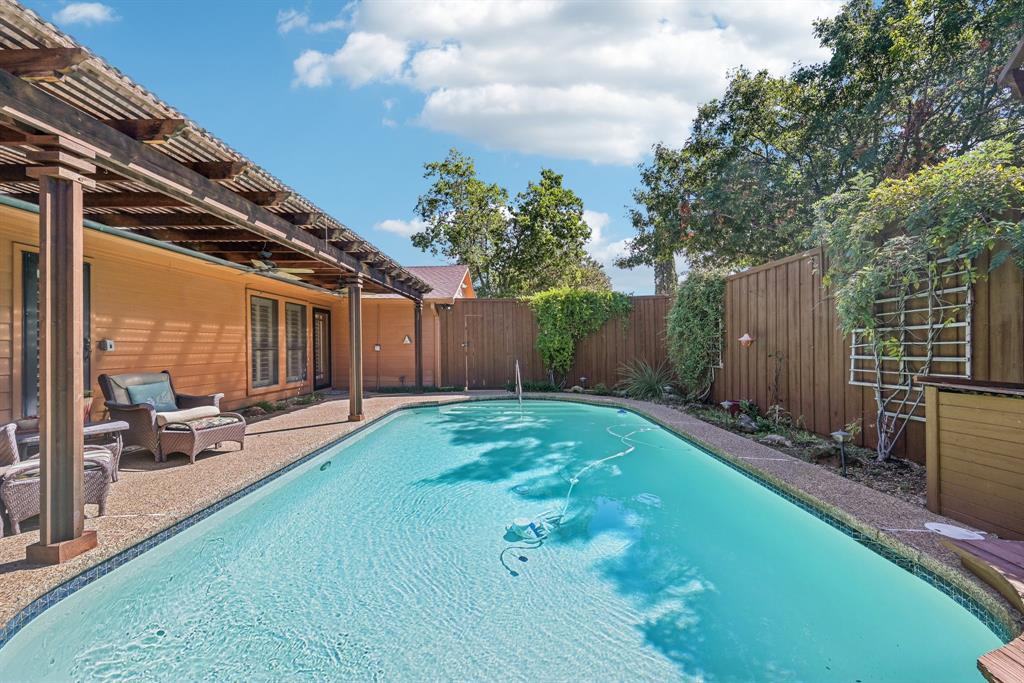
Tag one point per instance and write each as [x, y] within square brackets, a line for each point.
[385, 323]
[163, 310]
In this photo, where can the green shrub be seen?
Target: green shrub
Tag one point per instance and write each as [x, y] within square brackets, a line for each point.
[601, 390]
[694, 331]
[307, 399]
[642, 381]
[565, 316]
[406, 389]
[529, 385]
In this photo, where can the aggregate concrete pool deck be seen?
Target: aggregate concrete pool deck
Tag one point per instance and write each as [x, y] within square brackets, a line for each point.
[150, 497]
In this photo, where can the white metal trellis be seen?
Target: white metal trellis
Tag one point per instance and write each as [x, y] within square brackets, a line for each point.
[932, 328]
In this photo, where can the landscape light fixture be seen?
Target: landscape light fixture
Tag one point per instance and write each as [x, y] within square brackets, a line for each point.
[841, 437]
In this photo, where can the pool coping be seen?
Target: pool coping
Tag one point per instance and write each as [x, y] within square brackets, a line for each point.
[962, 590]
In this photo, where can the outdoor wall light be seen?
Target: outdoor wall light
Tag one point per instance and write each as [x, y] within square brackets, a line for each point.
[376, 347]
[746, 340]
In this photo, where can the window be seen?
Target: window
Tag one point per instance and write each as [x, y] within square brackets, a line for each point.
[30, 332]
[295, 341]
[263, 320]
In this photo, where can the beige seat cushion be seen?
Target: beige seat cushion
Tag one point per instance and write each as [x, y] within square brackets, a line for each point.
[186, 415]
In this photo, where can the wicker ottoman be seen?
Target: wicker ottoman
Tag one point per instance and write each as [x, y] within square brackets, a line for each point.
[195, 436]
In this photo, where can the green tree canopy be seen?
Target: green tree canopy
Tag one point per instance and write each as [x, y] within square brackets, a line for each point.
[465, 218]
[533, 243]
[909, 83]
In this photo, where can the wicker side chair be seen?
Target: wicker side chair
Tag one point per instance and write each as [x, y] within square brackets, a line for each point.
[170, 429]
[20, 483]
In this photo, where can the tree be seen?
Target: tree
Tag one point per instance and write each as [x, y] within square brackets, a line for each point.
[591, 275]
[659, 219]
[908, 83]
[465, 218]
[534, 243]
[547, 233]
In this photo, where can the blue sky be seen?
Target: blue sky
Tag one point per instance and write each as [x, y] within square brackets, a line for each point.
[346, 101]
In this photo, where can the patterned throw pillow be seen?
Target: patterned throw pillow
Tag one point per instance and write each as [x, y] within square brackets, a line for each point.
[204, 423]
[158, 394]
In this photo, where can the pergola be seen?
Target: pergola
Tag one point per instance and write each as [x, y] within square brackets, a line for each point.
[1012, 75]
[82, 140]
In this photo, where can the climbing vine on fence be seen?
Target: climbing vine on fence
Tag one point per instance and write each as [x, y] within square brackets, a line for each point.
[890, 235]
[695, 331]
[566, 315]
[903, 235]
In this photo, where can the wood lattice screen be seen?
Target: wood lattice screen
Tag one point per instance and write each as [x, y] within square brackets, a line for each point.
[926, 331]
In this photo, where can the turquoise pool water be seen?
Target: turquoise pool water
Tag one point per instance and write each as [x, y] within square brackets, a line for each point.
[385, 565]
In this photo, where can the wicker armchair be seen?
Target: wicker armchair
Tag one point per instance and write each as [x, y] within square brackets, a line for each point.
[165, 432]
[20, 484]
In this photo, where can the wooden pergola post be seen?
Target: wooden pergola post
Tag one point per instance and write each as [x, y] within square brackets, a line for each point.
[355, 347]
[418, 335]
[62, 532]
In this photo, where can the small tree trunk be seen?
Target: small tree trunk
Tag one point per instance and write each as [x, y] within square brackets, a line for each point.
[665, 277]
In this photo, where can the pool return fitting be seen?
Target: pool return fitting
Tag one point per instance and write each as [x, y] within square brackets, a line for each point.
[534, 531]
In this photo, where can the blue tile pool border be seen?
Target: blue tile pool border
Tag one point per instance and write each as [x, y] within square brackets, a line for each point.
[804, 502]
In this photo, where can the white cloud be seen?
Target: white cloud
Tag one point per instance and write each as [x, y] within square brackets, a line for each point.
[289, 20]
[399, 227]
[86, 13]
[363, 58]
[603, 250]
[594, 81]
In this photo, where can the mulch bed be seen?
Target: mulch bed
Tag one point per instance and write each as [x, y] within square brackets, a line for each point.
[897, 477]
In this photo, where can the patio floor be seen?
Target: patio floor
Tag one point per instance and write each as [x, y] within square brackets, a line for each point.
[150, 496]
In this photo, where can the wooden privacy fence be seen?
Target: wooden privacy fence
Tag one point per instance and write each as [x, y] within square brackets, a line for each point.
[801, 360]
[481, 339]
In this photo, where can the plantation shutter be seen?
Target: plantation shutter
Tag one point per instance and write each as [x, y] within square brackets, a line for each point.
[295, 341]
[263, 320]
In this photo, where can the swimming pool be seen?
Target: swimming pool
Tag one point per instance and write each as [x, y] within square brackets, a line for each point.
[386, 558]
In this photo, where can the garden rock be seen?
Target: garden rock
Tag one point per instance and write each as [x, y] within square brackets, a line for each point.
[577, 389]
[745, 423]
[777, 440]
[823, 451]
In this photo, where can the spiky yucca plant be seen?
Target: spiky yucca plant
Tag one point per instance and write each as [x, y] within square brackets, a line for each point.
[642, 381]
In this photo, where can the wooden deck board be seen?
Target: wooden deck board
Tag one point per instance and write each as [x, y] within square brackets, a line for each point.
[1000, 563]
[1005, 665]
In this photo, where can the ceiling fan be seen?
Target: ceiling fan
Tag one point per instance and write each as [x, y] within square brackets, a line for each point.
[264, 264]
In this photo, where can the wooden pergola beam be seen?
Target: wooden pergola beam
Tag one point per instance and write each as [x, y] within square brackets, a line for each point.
[42, 64]
[149, 131]
[1012, 74]
[204, 236]
[31, 106]
[212, 170]
[143, 200]
[164, 220]
[301, 219]
[218, 170]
